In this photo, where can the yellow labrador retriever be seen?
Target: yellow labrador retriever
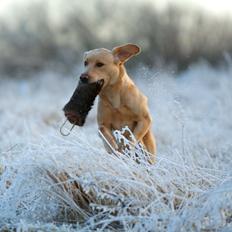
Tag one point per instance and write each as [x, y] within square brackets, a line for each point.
[120, 101]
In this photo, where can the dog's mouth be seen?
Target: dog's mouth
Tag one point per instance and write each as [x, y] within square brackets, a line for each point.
[100, 83]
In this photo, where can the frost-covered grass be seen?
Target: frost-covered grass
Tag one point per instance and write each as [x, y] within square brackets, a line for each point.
[50, 182]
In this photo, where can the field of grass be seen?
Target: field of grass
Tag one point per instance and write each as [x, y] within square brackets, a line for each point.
[56, 183]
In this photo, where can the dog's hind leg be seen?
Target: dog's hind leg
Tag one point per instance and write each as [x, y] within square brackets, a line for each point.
[150, 144]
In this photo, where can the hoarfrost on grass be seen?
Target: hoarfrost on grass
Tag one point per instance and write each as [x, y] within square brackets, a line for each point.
[51, 182]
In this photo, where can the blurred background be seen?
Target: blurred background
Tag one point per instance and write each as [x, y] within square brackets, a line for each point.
[41, 34]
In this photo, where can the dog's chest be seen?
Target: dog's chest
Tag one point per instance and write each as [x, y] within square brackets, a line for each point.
[121, 117]
[118, 107]
[114, 100]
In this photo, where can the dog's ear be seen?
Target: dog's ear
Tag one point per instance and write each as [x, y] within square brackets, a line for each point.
[125, 52]
[85, 55]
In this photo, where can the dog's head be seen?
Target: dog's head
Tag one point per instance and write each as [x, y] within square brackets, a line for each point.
[103, 64]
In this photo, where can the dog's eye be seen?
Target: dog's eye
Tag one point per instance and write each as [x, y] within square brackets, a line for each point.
[85, 63]
[99, 64]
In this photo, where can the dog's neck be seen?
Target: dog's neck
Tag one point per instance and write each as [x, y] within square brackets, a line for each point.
[112, 92]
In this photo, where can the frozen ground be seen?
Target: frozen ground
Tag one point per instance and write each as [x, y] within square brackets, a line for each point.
[50, 182]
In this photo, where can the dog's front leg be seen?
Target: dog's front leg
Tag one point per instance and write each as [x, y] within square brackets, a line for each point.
[142, 134]
[106, 132]
[142, 128]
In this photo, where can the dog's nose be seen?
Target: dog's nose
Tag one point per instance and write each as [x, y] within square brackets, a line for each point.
[84, 77]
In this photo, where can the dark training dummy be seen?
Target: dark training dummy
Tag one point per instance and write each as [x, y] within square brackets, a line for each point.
[81, 102]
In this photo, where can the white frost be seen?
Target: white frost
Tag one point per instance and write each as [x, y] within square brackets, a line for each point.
[48, 180]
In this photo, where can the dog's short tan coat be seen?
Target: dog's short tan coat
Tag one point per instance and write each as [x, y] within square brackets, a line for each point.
[120, 103]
